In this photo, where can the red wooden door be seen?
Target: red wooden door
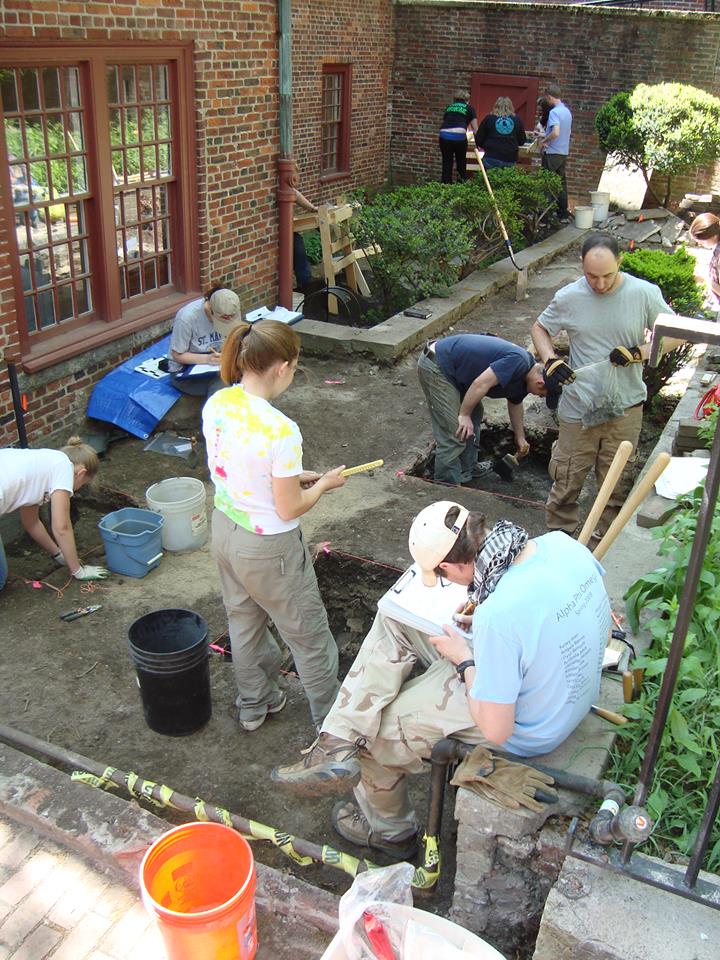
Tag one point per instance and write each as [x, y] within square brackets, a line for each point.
[485, 88]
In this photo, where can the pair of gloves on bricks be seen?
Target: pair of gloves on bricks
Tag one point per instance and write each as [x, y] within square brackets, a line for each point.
[558, 374]
[504, 782]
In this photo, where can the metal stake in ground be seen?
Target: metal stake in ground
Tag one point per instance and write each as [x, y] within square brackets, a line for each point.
[522, 279]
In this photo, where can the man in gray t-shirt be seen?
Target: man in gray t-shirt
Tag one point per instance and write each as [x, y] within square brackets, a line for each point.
[606, 315]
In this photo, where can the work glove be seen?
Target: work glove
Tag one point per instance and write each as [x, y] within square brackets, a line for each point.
[504, 782]
[59, 559]
[622, 356]
[91, 573]
[557, 373]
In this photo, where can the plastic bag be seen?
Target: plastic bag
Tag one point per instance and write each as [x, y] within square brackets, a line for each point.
[597, 390]
[372, 893]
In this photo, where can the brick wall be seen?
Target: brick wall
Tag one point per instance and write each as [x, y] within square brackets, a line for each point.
[236, 91]
[361, 34]
[591, 52]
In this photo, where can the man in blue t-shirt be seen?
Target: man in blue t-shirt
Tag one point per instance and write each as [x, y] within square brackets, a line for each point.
[455, 374]
[555, 146]
[522, 674]
[458, 116]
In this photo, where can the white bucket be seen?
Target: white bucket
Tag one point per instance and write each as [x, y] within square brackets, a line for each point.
[583, 217]
[181, 502]
[601, 205]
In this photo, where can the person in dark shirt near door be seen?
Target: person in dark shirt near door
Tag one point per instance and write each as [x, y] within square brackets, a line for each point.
[459, 115]
[500, 134]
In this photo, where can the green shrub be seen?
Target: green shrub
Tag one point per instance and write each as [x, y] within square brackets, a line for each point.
[667, 128]
[431, 235]
[313, 246]
[674, 274]
[691, 742]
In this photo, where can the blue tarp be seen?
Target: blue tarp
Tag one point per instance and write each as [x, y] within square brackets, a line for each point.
[131, 400]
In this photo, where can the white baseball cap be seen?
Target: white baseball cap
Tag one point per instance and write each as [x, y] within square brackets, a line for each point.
[225, 311]
[431, 540]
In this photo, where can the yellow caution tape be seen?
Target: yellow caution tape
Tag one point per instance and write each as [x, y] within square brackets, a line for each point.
[103, 782]
[343, 861]
[427, 875]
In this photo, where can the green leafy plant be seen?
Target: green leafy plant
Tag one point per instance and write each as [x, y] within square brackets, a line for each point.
[313, 246]
[663, 128]
[421, 239]
[690, 745]
[674, 274]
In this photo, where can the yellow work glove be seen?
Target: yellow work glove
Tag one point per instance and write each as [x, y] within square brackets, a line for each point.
[623, 356]
[503, 782]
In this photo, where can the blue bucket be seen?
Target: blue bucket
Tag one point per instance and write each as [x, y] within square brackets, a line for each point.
[132, 540]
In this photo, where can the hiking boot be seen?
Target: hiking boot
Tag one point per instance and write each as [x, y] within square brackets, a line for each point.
[481, 469]
[351, 823]
[255, 722]
[329, 765]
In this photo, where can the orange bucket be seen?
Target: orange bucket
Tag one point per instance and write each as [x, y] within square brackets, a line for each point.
[198, 880]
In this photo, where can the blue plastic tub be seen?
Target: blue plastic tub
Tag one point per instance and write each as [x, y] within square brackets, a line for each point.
[132, 540]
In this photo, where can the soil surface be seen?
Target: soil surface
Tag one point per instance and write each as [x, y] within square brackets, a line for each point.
[74, 683]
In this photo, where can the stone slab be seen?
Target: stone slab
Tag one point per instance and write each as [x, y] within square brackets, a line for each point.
[595, 914]
[649, 213]
[655, 511]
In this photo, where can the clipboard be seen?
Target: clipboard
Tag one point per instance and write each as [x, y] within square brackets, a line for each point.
[426, 609]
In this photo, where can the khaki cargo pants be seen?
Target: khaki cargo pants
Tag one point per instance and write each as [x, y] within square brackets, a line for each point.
[400, 719]
[575, 453]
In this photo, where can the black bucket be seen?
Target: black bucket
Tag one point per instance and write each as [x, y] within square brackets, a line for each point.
[170, 652]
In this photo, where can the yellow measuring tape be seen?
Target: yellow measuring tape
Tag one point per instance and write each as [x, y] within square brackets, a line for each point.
[361, 468]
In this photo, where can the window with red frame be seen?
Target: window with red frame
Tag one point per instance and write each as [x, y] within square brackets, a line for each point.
[96, 184]
[335, 123]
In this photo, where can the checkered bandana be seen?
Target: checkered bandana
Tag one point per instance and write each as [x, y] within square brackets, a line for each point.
[499, 549]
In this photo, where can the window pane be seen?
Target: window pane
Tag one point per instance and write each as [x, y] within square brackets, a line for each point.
[35, 133]
[72, 87]
[150, 275]
[115, 128]
[82, 297]
[30, 92]
[164, 159]
[164, 276]
[74, 129]
[51, 88]
[150, 162]
[13, 138]
[127, 90]
[112, 85]
[79, 175]
[132, 162]
[62, 261]
[79, 261]
[163, 116]
[30, 317]
[65, 302]
[147, 130]
[145, 83]
[8, 92]
[161, 82]
[46, 307]
[21, 231]
[131, 126]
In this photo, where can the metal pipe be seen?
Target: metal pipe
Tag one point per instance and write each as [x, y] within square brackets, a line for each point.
[286, 165]
[17, 404]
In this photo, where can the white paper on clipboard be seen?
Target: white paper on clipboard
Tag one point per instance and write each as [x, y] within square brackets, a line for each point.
[426, 609]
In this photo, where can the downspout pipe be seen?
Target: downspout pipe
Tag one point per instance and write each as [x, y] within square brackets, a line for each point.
[287, 176]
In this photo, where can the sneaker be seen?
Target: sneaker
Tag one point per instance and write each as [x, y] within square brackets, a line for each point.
[329, 765]
[565, 218]
[352, 825]
[256, 722]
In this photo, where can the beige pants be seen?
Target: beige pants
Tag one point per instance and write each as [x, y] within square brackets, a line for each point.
[400, 720]
[272, 578]
[577, 451]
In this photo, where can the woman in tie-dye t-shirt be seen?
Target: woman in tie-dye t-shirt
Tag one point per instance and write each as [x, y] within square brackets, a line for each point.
[266, 572]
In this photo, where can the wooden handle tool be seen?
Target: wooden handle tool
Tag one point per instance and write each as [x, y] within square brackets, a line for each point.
[627, 685]
[622, 455]
[631, 504]
[609, 715]
[361, 468]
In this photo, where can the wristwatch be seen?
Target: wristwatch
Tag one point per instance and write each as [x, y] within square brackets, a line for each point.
[462, 667]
